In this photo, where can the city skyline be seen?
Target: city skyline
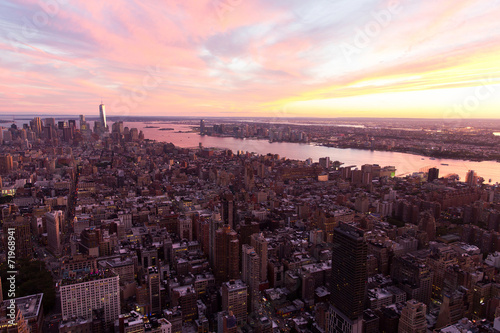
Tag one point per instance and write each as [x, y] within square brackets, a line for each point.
[125, 231]
[235, 57]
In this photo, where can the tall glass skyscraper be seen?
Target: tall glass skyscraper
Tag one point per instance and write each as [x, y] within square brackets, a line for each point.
[102, 115]
[349, 276]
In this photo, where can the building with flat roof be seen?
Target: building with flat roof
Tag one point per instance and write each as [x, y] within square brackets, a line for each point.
[86, 292]
[234, 299]
[31, 309]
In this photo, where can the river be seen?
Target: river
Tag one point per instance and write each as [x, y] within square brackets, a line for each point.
[404, 163]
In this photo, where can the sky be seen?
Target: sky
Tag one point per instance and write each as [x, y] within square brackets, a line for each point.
[263, 58]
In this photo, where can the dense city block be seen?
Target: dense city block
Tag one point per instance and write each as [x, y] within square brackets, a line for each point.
[109, 231]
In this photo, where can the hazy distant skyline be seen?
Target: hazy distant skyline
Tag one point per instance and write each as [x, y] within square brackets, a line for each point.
[275, 58]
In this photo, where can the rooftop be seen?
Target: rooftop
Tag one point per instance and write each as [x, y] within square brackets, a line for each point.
[29, 305]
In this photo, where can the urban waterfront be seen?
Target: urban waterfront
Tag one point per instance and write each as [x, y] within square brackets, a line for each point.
[182, 136]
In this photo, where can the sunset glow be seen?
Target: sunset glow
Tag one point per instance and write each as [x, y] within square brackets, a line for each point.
[286, 58]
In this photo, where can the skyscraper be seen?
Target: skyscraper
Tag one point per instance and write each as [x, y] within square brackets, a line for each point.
[36, 125]
[228, 211]
[202, 126]
[6, 163]
[214, 224]
[154, 289]
[50, 122]
[471, 178]
[259, 243]
[102, 116]
[54, 222]
[250, 272]
[433, 174]
[227, 256]
[349, 276]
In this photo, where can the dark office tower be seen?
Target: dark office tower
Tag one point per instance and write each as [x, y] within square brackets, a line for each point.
[62, 124]
[102, 115]
[72, 123]
[228, 211]
[471, 178]
[202, 126]
[67, 134]
[50, 122]
[259, 243]
[154, 289]
[117, 127]
[227, 256]
[433, 174]
[20, 230]
[349, 276]
[6, 163]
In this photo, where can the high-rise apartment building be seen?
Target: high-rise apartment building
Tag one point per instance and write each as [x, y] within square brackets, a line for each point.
[349, 276]
[87, 292]
[260, 244]
[250, 272]
[234, 299]
[413, 318]
[227, 259]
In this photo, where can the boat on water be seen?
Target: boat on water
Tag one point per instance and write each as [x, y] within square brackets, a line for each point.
[444, 164]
